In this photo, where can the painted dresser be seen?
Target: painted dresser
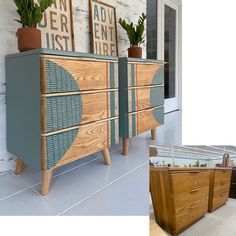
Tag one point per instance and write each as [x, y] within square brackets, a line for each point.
[61, 106]
[141, 97]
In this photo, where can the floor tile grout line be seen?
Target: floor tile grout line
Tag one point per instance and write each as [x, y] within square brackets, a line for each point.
[74, 168]
[32, 186]
[103, 188]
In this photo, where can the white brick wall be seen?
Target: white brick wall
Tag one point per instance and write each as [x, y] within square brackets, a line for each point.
[125, 9]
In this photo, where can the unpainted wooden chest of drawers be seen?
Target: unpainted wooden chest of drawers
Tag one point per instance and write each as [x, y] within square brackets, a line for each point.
[179, 196]
[219, 187]
[141, 97]
[61, 106]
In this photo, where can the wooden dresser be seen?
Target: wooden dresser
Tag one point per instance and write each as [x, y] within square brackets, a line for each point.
[179, 196]
[219, 187]
[61, 106]
[232, 191]
[141, 97]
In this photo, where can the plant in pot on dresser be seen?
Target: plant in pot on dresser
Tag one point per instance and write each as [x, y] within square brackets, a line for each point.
[135, 34]
[31, 13]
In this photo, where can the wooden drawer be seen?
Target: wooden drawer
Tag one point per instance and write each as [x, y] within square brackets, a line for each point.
[149, 74]
[64, 147]
[150, 119]
[145, 97]
[142, 121]
[222, 175]
[221, 187]
[60, 112]
[60, 74]
[187, 181]
[187, 201]
[220, 199]
[189, 216]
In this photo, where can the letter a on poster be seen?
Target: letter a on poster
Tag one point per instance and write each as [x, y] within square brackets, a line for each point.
[57, 26]
[103, 29]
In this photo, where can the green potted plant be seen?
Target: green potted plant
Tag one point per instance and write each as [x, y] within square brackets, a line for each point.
[135, 34]
[31, 13]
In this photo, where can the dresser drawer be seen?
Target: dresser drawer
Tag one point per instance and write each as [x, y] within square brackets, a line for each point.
[67, 110]
[67, 75]
[188, 200]
[150, 119]
[189, 216]
[187, 181]
[149, 74]
[221, 187]
[61, 148]
[144, 98]
[222, 176]
[220, 199]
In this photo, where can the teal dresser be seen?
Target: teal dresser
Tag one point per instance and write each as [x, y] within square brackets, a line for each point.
[141, 97]
[61, 106]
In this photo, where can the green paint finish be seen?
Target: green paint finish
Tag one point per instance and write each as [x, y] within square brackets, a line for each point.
[156, 96]
[133, 125]
[123, 98]
[44, 51]
[58, 79]
[112, 103]
[158, 115]
[158, 77]
[112, 132]
[23, 108]
[57, 145]
[112, 94]
[63, 112]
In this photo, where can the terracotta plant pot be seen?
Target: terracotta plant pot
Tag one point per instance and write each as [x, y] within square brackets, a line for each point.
[28, 39]
[135, 52]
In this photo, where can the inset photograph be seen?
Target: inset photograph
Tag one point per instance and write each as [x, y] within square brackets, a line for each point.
[192, 190]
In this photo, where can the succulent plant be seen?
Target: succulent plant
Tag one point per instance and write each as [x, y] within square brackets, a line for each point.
[135, 33]
[30, 12]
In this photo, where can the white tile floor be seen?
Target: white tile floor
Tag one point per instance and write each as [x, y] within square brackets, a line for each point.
[87, 187]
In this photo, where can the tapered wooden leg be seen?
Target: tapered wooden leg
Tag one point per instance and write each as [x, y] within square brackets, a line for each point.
[46, 181]
[106, 156]
[126, 146]
[153, 134]
[19, 166]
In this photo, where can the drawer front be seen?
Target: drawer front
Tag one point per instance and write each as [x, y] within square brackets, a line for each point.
[222, 176]
[64, 147]
[144, 98]
[189, 200]
[187, 181]
[67, 75]
[60, 112]
[220, 199]
[189, 216]
[150, 119]
[143, 121]
[146, 74]
[221, 187]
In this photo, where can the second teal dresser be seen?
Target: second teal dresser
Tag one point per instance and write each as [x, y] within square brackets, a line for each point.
[141, 97]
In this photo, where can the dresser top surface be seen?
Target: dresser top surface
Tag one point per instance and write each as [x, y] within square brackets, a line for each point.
[152, 168]
[141, 60]
[44, 51]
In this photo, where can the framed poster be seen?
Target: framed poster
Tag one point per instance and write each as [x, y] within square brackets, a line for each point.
[103, 36]
[57, 26]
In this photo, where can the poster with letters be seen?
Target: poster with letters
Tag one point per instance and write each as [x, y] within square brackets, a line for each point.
[57, 26]
[103, 29]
